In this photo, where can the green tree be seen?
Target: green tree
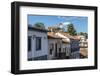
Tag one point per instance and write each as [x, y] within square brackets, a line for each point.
[81, 33]
[39, 25]
[71, 30]
[84, 34]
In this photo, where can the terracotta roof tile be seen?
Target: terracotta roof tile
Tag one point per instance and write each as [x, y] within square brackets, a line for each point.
[52, 35]
[65, 41]
[70, 36]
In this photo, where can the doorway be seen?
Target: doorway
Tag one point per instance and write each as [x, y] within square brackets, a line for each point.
[55, 49]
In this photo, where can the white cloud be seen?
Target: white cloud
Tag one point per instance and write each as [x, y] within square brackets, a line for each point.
[66, 23]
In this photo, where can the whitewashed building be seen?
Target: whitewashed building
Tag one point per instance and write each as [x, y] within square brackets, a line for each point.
[65, 43]
[37, 44]
[73, 46]
[83, 41]
[66, 48]
[83, 46]
[55, 45]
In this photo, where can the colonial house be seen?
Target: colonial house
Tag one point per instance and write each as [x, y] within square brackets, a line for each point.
[66, 43]
[66, 49]
[73, 46]
[55, 45]
[58, 46]
[83, 41]
[37, 44]
[83, 46]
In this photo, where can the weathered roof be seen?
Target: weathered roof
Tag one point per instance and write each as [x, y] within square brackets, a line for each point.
[65, 41]
[52, 35]
[37, 29]
[69, 36]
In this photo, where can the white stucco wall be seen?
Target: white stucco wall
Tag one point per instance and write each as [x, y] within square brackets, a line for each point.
[54, 41]
[44, 43]
[50, 41]
[68, 51]
[67, 46]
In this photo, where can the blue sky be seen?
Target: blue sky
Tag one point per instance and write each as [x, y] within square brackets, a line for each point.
[80, 23]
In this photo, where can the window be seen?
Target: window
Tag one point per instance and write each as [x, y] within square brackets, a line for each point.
[65, 49]
[38, 43]
[51, 51]
[29, 43]
[59, 49]
[51, 48]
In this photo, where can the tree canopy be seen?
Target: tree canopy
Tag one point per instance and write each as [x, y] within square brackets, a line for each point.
[39, 25]
[71, 30]
[84, 34]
